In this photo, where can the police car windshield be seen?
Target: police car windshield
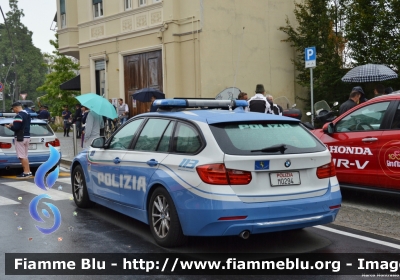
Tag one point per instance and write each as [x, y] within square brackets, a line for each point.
[263, 137]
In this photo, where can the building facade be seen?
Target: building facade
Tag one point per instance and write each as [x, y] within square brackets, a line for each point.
[185, 48]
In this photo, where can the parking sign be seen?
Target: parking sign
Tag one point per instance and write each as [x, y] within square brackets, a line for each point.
[1, 87]
[310, 57]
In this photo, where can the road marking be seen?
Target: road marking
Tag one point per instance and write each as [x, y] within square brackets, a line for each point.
[33, 189]
[64, 180]
[372, 240]
[6, 201]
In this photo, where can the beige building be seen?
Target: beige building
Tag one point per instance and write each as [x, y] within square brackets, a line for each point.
[185, 48]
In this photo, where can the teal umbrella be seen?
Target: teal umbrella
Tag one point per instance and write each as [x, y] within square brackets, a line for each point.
[98, 104]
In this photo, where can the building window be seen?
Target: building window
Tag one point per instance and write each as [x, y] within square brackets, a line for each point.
[128, 4]
[142, 3]
[63, 14]
[63, 20]
[97, 8]
[156, 1]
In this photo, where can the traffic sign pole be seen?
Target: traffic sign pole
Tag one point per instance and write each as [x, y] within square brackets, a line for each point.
[310, 57]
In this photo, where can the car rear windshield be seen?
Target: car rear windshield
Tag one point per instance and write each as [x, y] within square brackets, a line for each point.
[249, 138]
[37, 130]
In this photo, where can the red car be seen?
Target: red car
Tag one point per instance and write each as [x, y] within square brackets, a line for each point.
[365, 144]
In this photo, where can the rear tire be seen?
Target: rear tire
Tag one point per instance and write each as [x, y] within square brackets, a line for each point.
[79, 189]
[163, 219]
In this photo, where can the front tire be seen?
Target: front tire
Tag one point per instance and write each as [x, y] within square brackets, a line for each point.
[163, 219]
[79, 189]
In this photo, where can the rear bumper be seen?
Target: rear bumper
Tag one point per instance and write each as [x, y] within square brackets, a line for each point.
[201, 218]
[11, 161]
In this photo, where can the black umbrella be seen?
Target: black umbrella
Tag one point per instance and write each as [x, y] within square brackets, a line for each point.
[145, 94]
[369, 73]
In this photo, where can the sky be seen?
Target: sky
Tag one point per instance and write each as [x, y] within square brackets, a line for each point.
[39, 15]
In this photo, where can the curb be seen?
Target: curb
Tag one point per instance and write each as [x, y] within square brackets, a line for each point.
[66, 162]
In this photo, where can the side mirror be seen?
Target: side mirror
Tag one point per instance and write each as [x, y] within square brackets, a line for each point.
[98, 142]
[328, 128]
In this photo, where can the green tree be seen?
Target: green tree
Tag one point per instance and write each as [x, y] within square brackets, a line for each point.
[373, 34]
[317, 25]
[62, 69]
[28, 71]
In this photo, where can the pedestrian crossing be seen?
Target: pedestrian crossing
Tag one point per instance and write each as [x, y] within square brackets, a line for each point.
[31, 188]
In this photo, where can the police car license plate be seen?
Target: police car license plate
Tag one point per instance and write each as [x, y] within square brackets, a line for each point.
[285, 178]
[32, 147]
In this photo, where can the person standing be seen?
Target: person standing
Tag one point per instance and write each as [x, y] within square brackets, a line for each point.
[77, 120]
[275, 108]
[123, 110]
[66, 114]
[242, 96]
[379, 90]
[112, 122]
[258, 103]
[44, 114]
[361, 91]
[21, 127]
[351, 102]
[84, 111]
[94, 123]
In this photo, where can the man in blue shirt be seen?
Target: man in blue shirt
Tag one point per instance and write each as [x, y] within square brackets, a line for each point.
[44, 114]
[21, 127]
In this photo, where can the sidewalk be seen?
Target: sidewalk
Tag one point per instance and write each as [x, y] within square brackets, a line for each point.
[67, 147]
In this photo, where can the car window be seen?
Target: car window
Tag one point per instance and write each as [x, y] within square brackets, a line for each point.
[37, 130]
[249, 138]
[187, 139]
[366, 118]
[122, 139]
[396, 119]
[164, 143]
[151, 135]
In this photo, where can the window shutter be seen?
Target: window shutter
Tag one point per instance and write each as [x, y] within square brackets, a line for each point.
[62, 7]
[100, 65]
[97, 1]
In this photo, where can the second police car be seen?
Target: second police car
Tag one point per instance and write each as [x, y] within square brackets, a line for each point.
[365, 144]
[210, 172]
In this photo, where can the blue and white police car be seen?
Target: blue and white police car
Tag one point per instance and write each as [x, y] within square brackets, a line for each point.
[41, 137]
[210, 172]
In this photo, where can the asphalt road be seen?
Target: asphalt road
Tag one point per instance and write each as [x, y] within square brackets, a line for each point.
[100, 230]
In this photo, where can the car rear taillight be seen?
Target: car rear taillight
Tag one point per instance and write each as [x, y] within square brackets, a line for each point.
[5, 145]
[217, 174]
[55, 143]
[326, 171]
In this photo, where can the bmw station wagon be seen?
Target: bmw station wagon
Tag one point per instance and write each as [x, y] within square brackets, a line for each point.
[210, 172]
[41, 137]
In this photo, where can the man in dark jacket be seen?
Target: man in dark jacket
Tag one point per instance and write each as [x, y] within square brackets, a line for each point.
[351, 102]
[77, 120]
[21, 125]
[361, 91]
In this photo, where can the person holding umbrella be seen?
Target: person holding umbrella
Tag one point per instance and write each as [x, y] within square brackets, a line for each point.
[94, 123]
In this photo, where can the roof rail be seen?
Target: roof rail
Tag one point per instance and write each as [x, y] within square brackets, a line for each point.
[198, 103]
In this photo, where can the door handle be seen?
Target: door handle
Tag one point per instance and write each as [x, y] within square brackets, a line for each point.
[117, 160]
[152, 162]
[370, 139]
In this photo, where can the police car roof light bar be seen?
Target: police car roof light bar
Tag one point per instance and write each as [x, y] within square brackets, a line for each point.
[195, 103]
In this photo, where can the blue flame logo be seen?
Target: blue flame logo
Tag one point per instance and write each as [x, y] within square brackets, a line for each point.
[40, 181]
